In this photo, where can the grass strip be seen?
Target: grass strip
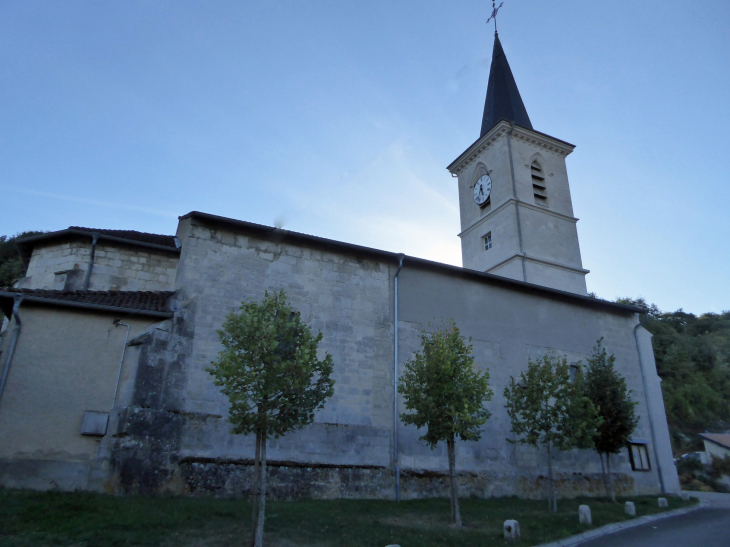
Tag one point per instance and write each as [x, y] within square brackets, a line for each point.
[83, 519]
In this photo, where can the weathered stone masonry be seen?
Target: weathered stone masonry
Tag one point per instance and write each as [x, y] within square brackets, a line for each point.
[173, 435]
[62, 265]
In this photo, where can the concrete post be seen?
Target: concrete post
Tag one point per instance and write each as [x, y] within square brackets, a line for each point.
[584, 515]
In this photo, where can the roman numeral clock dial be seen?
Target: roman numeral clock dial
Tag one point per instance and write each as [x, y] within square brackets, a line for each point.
[482, 189]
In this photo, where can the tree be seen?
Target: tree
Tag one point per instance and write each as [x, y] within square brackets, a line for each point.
[11, 265]
[607, 390]
[270, 372]
[447, 395]
[547, 409]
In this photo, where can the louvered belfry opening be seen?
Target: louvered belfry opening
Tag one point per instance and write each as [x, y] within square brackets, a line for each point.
[538, 184]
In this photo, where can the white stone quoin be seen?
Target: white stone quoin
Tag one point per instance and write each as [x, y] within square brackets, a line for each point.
[511, 529]
[630, 508]
[584, 515]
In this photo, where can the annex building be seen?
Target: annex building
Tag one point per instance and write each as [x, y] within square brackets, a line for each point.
[106, 340]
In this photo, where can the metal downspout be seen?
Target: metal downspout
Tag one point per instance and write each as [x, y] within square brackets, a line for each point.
[648, 405]
[13, 341]
[517, 205]
[121, 361]
[95, 238]
[395, 382]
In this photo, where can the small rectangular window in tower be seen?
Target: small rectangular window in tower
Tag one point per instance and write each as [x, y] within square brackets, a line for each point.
[639, 456]
[488, 241]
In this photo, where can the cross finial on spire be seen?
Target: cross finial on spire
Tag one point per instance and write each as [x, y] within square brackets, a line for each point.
[494, 15]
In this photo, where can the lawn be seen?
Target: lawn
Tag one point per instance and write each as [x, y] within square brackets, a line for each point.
[82, 519]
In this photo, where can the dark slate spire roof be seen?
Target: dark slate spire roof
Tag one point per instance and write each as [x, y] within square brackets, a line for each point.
[503, 98]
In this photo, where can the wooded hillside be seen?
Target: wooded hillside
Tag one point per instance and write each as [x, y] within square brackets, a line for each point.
[693, 359]
[11, 266]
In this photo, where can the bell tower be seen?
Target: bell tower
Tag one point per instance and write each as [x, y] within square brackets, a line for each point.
[514, 198]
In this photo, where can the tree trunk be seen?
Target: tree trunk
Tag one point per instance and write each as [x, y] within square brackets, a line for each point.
[259, 541]
[610, 478]
[256, 488]
[553, 502]
[455, 513]
[604, 476]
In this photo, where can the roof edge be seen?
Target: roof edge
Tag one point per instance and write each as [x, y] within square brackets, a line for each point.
[494, 133]
[340, 246]
[23, 242]
[85, 305]
[714, 441]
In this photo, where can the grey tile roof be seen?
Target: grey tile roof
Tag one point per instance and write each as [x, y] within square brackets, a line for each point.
[132, 235]
[125, 237]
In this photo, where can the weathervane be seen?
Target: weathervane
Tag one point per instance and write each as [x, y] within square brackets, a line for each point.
[494, 15]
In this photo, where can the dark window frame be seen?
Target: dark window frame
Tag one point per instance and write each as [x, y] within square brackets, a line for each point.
[634, 463]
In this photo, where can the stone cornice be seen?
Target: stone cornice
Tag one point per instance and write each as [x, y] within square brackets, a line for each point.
[521, 204]
[546, 142]
[541, 140]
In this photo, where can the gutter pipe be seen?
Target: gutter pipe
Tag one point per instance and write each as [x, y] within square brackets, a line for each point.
[517, 204]
[95, 238]
[121, 361]
[395, 382]
[13, 343]
[648, 405]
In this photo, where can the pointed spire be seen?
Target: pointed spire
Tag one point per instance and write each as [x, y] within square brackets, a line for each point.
[503, 98]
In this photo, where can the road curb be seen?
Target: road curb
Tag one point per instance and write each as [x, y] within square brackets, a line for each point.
[618, 526]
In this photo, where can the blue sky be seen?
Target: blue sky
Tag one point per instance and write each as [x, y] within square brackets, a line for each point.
[339, 118]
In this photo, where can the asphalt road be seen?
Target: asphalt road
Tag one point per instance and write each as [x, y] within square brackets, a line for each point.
[708, 527]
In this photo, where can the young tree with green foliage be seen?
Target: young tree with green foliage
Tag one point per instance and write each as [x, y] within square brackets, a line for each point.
[547, 409]
[270, 372]
[446, 394]
[607, 390]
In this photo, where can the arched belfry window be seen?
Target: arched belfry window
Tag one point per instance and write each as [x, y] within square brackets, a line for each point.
[539, 188]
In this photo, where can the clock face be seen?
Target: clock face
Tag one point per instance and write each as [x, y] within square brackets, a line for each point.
[482, 189]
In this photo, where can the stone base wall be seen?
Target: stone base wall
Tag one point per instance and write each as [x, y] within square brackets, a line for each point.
[291, 481]
[144, 455]
[43, 475]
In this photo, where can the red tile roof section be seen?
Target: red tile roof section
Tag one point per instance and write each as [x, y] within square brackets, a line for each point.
[154, 301]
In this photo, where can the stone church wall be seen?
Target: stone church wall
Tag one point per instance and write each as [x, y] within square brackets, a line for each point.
[507, 328]
[173, 435]
[116, 267]
[50, 385]
[345, 296]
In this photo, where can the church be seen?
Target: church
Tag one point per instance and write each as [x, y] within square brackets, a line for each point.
[106, 340]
